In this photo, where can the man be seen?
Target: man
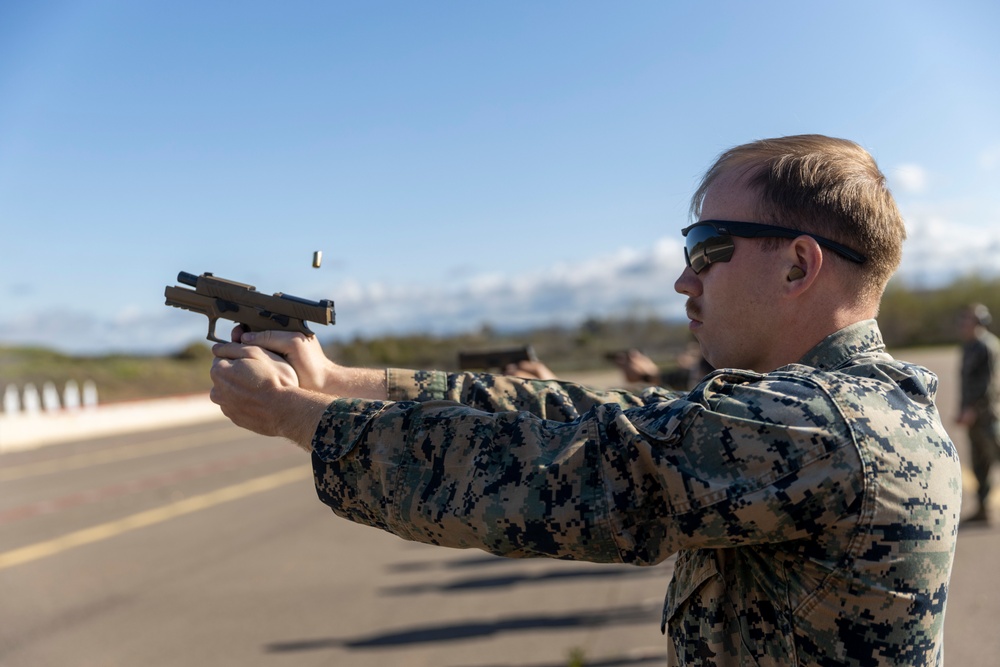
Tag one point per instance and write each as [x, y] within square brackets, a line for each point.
[808, 485]
[980, 362]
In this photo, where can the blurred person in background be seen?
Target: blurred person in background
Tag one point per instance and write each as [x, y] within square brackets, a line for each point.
[531, 369]
[688, 371]
[978, 402]
[637, 369]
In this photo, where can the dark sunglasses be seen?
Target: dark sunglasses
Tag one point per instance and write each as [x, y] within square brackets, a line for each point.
[711, 241]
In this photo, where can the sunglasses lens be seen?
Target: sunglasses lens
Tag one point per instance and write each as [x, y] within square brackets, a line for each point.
[704, 245]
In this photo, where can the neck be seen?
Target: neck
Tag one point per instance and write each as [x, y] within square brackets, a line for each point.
[808, 327]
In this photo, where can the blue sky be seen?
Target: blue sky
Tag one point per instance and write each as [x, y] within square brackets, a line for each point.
[517, 163]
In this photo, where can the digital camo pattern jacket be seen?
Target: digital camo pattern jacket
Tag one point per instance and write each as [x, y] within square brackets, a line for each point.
[815, 508]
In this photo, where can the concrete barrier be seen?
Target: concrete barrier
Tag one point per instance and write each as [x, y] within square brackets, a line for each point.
[26, 430]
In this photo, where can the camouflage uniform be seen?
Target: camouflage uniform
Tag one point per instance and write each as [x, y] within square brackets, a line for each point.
[815, 508]
[980, 365]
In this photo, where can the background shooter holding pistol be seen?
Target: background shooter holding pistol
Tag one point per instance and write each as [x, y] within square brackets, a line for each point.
[807, 485]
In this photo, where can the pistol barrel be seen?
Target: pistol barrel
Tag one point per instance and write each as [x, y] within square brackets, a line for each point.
[188, 279]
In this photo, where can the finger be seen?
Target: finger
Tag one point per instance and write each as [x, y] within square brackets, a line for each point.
[282, 342]
[229, 350]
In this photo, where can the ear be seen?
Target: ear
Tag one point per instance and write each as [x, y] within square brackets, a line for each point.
[803, 259]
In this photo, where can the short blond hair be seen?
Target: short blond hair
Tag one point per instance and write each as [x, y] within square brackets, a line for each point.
[826, 186]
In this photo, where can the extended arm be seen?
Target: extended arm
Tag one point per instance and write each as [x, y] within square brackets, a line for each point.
[614, 484]
[555, 400]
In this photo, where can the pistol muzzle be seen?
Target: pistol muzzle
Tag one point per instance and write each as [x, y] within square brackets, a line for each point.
[186, 278]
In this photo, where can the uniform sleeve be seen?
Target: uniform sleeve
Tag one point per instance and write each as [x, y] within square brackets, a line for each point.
[615, 484]
[549, 399]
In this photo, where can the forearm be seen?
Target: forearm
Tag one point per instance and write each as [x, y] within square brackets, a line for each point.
[313, 369]
[367, 383]
[297, 412]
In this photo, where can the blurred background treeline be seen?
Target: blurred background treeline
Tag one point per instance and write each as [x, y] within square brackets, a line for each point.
[910, 317]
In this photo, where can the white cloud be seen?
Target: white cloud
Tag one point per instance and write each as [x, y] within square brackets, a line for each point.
[910, 177]
[989, 159]
[942, 245]
[564, 293]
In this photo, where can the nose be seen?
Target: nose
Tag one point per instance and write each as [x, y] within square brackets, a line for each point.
[688, 283]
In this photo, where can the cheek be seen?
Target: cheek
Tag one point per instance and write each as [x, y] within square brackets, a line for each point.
[735, 315]
[733, 297]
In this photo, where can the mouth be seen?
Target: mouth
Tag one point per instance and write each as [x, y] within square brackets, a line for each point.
[693, 313]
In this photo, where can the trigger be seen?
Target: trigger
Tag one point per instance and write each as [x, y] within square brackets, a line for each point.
[211, 332]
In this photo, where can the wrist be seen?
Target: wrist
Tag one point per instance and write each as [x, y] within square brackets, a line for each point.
[331, 379]
[298, 414]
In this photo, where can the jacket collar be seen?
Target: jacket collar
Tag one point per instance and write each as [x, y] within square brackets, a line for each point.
[841, 347]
